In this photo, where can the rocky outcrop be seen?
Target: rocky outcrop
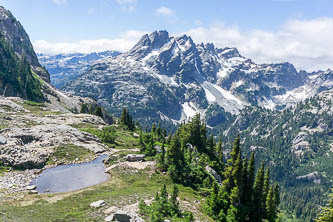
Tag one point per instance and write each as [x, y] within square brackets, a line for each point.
[31, 187]
[3, 140]
[300, 144]
[121, 216]
[17, 181]
[33, 137]
[135, 157]
[126, 213]
[214, 174]
[314, 176]
[97, 204]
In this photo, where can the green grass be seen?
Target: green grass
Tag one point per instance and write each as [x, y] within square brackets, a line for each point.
[123, 189]
[4, 169]
[38, 109]
[32, 103]
[69, 153]
[119, 156]
[124, 139]
[3, 126]
[83, 126]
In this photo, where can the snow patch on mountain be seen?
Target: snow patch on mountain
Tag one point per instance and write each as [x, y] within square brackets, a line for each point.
[296, 95]
[189, 110]
[178, 78]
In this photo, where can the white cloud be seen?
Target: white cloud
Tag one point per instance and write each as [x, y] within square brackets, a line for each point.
[127, 5]
[125, 1]
[60, 2]
[122, 43]
[308, 44]
[165, 11]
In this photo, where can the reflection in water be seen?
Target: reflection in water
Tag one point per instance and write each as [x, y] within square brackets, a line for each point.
[72, 177]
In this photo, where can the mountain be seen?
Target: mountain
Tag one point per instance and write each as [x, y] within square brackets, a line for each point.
[20, 73]
[172, 78]
[14, 33]
[16, 77]
[282, 114]
[68, 67]
[296, 144]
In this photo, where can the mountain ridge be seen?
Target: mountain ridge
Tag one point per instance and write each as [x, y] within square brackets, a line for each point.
[194, 78]
[68, 67]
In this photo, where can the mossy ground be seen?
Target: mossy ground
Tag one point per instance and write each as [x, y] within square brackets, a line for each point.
[124, 138]
[4, 169]
[38, 109]
[69, 153]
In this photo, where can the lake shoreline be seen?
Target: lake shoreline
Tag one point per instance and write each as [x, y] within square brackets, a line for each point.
[14, 182]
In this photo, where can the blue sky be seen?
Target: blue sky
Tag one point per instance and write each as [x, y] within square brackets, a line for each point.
[264, 30]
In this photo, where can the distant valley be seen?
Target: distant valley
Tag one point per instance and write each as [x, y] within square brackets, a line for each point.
[68, 67]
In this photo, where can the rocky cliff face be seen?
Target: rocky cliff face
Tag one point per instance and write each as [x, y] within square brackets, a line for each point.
[18, 39]
[172, 78]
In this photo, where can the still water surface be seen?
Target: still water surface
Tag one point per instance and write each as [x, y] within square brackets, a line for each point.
[65, 178]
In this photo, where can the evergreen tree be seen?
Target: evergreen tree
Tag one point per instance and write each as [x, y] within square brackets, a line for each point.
[235, 150]
[233, 214]
[212, 203]
[251, 173]
[270, 205]
[174, 202]
[266, 188]
[219, 151]
[237, 174]
[169, 139]
[198, 134]
[211, 147]
[164, 133]
[150, 150]
[127, 120]
[163, 207]
[123, 116]
[174, 157]
[257, 210]
[130, 123]
[161, 159]
[276, 197]
[153, 128]
[98, 112]
[84, 108]
[326, 214]
[233, 171]
[159, 130]
[245, 194]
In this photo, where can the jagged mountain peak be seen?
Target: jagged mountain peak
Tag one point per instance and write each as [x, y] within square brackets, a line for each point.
[158, 39]
[4, 13]
[149, 42]
[174, 78]
[160, 45]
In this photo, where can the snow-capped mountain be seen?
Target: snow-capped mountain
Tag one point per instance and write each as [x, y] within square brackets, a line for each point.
[66, 67]
[173, 78]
